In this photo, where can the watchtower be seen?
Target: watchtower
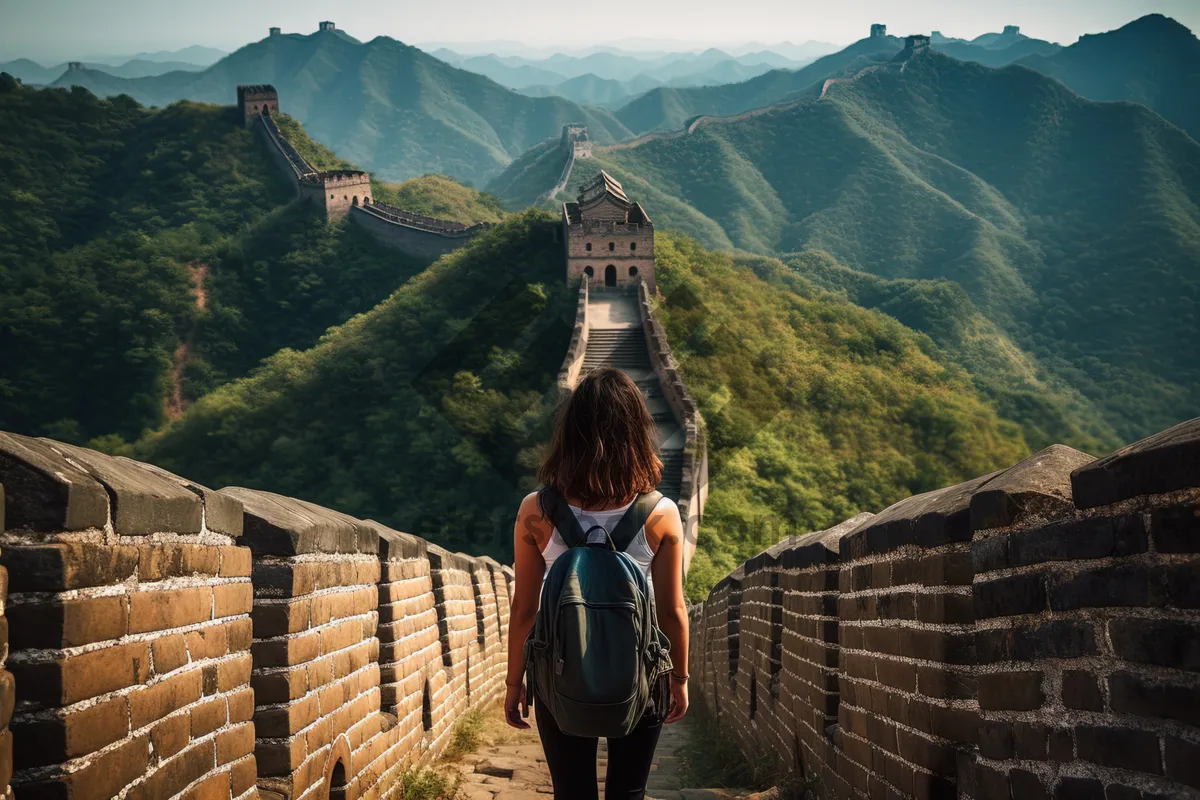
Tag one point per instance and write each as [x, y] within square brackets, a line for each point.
[1012, 30]
[326, 26]
[914, 43]
[878, 31]
[337, 191]
[276, 31]
[609, 238]
[257, 100]
[575, 136]
[74, 66]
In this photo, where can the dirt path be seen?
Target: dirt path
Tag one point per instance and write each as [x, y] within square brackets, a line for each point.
[174, 405]
[511, 766]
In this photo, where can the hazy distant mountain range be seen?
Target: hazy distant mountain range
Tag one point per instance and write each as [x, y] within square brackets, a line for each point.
[519, 73]
[1051, 241]
[636, 48]
[1153, 60]
[34, 73]
[196, 54]
[403, 112]
[141, 65]
[389, 107]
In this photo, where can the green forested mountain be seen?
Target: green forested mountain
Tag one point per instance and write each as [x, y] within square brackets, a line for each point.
[390, 108]
[1072, 226]
[1001, 56]
[148, 256]
[428, 411]
[528, 179]
[668, 108]
[1153, 60]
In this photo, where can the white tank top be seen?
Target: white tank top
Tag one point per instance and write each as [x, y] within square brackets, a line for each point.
[638, 549]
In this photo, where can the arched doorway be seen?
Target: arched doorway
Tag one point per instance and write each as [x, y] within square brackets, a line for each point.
[610, 275]
[337, 781]
[589, 272]
[633, 272]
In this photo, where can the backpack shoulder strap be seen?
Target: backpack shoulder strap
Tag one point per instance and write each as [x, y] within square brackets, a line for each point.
[634, 519]
[563, 518]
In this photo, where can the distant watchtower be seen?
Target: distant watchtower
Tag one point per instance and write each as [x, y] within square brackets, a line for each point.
[337, 191]
[276, 31]
[914, 43]
[575, 137]
[878, 31]
[257, 100]
[609, 239]
[74, 66]
[326, 26]
[1011, 30]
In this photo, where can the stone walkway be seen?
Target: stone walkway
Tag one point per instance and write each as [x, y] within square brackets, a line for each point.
[512, 767]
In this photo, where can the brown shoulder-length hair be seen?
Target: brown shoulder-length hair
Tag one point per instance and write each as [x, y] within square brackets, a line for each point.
[603, 450]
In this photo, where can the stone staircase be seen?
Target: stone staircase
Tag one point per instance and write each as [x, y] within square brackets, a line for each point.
[622, 348]
[616, 339]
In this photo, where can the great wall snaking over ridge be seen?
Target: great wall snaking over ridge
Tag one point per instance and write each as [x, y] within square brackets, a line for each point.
[348, 192]
[1025, 635]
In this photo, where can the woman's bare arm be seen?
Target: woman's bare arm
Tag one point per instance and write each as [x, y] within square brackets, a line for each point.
[531, 528]
[665, 528]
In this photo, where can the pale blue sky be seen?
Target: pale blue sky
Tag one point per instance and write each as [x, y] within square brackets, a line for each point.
[59, 29]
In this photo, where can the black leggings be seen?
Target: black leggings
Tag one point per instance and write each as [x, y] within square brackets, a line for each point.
[572, 759]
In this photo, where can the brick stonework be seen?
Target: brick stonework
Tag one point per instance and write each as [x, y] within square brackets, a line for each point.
[610, 236]
[168, 641]
[129, 627]
[1028, 634]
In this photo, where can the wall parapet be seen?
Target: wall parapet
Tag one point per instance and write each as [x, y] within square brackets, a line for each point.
[170, 641]
[572, 366]
[1018, 635]
[293, 162]
[694, 488]
[414, 234]
[430, 224]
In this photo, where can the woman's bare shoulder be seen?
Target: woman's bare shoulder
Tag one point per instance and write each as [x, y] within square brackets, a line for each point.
[664, 523]
[532, 523]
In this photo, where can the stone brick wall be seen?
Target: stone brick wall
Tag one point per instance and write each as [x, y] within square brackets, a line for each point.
[632, 246]
[568, 374]
[411, 239]
[129, 629]
[286, 157]
[8, 696]
[694, 490]
[1028, 634]
[168, 641]
[336, 192]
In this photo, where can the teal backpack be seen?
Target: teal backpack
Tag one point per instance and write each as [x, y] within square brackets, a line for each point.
[595, 655]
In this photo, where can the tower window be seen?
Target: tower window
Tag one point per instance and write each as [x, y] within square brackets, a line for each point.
[633, 245]
[588, 247]
[612, 246]
[632, 272]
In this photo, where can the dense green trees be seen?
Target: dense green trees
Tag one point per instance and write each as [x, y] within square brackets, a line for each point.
[104, 206]
[144, 248]
[429, 411]
[816, 409]
[420, 413]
